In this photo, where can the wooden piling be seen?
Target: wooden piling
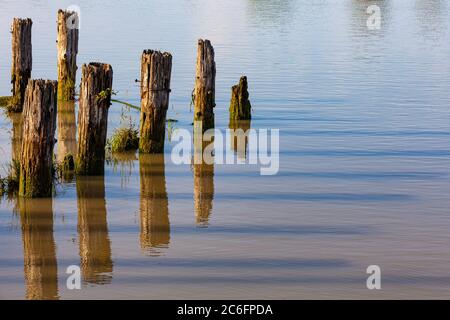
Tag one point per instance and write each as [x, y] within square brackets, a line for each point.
[67, 43]
[39, 125]
[21, 62]
[205, 85]
[156, 70]
[67, 143]
[240, 107]
[95, 99]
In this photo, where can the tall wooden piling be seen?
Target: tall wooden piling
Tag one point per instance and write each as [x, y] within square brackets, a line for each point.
[67, 43]
[240, 107]
[95, 99]
[67, 143]
[205, 85]
[21, 62]
[156, 68]
[39, 125]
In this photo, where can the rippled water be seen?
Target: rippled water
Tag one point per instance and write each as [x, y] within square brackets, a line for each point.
[364, 157]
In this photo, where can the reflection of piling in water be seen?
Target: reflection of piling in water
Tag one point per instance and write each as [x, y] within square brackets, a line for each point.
[95, 246]
[67, 143]
[203, 182]
[154, 210]
[40, 267]
[239, 137]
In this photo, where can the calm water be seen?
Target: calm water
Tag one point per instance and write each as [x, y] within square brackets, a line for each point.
[364, 164]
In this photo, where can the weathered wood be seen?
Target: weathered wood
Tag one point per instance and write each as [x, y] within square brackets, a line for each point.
[67, 143]
[39, 125]
[154, 203]
[95, 247]
[240, 107]
[156, 68]
[39, 250]
[67, 43]
[203, 182]
[95, 99]
[16, 144]
[205, 85]
[21, 62]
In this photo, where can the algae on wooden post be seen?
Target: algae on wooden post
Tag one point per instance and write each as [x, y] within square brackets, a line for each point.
[21, 62]
[95, 99]
[39, 125]
[156, 68]
[240, 107]
[204, 95]
[67, 43]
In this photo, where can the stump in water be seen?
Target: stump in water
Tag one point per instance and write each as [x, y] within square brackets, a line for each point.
[205, 85]
[39, 124]
[95, 99]
[67, 54]
[21, 62]
[240, 107]
[156, 69]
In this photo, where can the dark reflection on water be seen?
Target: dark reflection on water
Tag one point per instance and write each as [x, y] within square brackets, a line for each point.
[239, 140]
[154, 204]
[95, 246]
[203, 182]
[39, 250]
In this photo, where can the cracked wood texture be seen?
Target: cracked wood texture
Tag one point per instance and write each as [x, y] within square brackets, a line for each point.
[39, 125]
[205, 85]
[95, 99]
[21, 62]
[156, 68]
[67, 43]
[240, 107]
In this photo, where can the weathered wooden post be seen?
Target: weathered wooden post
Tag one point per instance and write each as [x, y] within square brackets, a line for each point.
[95, 99]
[156, 68]
[205, 85]
[21, 62]
[154, 203]
[94, 243]
[39, 125]
[67, 43]
[240, 107]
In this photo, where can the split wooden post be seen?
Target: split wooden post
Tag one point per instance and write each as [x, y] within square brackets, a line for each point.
[67, 43]
[95, 99]
[205, 85]
[39, 125]
[240, 107]
[156, 68]
[21, 62]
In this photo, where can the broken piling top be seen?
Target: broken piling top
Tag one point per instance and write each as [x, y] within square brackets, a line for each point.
[39, 125]
[22, 61]
[204, 95]
[156, 69]
[67, 43]
[240, 107]
[95, 99]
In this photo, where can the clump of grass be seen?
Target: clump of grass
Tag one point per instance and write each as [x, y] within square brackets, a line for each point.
[9, 184]
[124, 139]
